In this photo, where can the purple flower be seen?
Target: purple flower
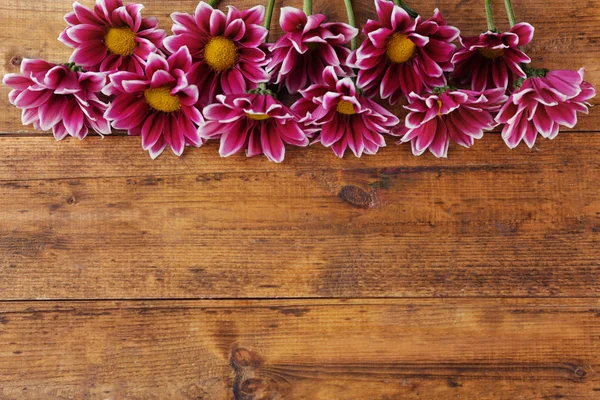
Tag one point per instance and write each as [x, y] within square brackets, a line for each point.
[543, 103]
[255, 122]
[307, 46]
[460, 115]
[111, 37]
[159, 104]
[59, 98]
[226, 49]
[346, 119]
[492, 59]
[401, 55]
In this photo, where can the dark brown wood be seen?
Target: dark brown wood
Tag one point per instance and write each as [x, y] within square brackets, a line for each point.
[512, 237]
[277, 349]
[487, 223]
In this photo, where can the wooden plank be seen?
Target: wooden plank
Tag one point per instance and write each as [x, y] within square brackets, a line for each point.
[27, 158]
[85, 224]
[357, 349]
[566, 33]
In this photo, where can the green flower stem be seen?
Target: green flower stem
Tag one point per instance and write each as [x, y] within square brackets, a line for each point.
[510, 12]
[489, 13]
[308, 7]
[268, 16]
[351, 22]
[213, 3]
[406, 8]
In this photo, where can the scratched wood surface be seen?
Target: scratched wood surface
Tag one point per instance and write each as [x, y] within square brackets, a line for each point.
[385, 278]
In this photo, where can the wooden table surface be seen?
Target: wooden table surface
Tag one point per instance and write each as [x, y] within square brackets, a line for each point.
[389, 277]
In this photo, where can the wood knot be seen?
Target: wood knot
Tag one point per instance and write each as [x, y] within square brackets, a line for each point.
[16, 61]
[580, 373]
[71, 200]
[242, 358]
[255, 387]
[357, 196]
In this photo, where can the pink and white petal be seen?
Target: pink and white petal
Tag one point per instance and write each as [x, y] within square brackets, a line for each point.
[233, 139]
[292, 18]
[384, 11]
[189, 131]
[271, 143]
[217, 23]
[152, 130]
[59, 131]
[161, 78]
[173, 135]
[293, 134]
[85, 33]
[122, 106]
[332, 131]
[158, 148]
[202, 16]
[563, 114]
[380, 37]
[339, 147]
[193, 114]
[73, 118]
[89, 55]
[254, 15]
[51, 112]
[111, 63]
[513, 132]
[427, 135]
[183, 23]
[85, 15]
[441, 141]
[155, 63]
[254, 147]
[235, 30]
[29, 116]
[181, 60]
[212, 130]
[136, 86]
[233, 82]
[17, 81]
[524, 31]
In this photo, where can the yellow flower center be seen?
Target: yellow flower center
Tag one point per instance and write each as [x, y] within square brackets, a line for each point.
[346, 108]
[161, 99]
[120, 41]
[439, 107]
[220, 53]
[258, 117]
[400, 48]
[490, 53]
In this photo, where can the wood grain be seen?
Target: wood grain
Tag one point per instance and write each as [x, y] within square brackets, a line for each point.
[480, 273]
[491, 223]
[567, 33]
[272, 349]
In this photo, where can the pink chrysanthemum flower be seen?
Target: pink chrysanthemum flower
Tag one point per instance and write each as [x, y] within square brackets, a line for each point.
[401, 55]
[492, 59]
[460, 115]
[60, 98]
[225, 48]
[346, 119]
[111, 37]
[255, 122]
[543, 103]
[307, 46]
[159, 104]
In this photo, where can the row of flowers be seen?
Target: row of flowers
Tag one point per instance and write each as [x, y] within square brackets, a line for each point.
[217, 77]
